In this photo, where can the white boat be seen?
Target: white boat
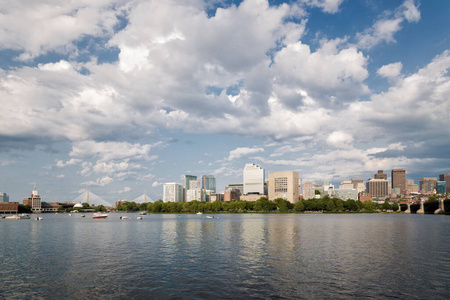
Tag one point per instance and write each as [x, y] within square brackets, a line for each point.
[143, 213]
[139, 218]
[210, 217]
[123, 217]
[82, 216]
[100, 215]
[199, 213]
[18, 217]
[39, 219]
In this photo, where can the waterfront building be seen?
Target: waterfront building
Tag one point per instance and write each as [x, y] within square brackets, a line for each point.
[9, 207]
[187, 179]
[346, 193]
[380, 175]
[209, 183]
[195, 194]
[217, 197]
[441, 187]
[172, 192]
[34, 201]
[377, 187]
[284, 185]
[253, 178]
[446, 178]
[428, 184]
[4, 197]
[346, 184]
[398, 179]
[411, 187]
[308, 190]
[233, 192]
[235, 186]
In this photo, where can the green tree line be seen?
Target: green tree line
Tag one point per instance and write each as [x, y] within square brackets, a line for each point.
[263, 204]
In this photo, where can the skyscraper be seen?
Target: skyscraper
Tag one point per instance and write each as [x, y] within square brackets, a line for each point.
[173, 192]
[428, 184]
[209, 183]
[378, 187]
[284, 185]
[398, 178]
[380, 175]
[253, 177]
[187, 179]
[446, 178]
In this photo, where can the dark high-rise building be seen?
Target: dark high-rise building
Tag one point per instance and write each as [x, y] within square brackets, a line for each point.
[378, 187]
[380, 175]
[446, 178]
[398, 178]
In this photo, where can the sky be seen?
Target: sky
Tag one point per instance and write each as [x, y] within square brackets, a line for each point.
[123, 96]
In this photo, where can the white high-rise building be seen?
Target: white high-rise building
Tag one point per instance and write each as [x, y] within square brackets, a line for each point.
[173, 192]
[253, 179]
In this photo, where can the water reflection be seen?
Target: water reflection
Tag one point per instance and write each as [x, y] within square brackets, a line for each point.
[230, 256]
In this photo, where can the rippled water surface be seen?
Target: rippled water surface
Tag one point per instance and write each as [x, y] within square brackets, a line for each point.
[266, 256]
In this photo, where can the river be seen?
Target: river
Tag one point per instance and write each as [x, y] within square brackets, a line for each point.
[251, 256]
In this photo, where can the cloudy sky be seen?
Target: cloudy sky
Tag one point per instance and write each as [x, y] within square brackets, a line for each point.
[122, 96]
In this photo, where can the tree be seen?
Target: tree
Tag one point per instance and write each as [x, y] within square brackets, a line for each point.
[86, 205]
[386, 206]
[369, 206]
[299, 206]
[395, 206]
[331, 206]
[24, 208]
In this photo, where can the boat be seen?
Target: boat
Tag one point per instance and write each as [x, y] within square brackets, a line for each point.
[70, 214]
[143, 213]
[199, 213]
[210, 217]
[39, 219]
[123, 217]
[18, 217]
[83, 216]
[100, 215]
[139, 218]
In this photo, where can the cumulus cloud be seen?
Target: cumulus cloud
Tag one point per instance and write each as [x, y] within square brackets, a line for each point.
[389, 23]
[339, 139]
[391, 70]
[243, 151]
[39, 27]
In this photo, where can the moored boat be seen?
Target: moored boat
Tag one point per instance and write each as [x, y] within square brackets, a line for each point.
[123, 217]
[100, 215]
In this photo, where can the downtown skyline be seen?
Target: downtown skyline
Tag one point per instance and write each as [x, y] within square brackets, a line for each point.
[123, 96]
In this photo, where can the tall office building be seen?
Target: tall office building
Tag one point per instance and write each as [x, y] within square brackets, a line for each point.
[173, 192]
[398, 178]
[380, 175]
[446, 178]
[253, 179]
[411, 187]
[378, 187]
[308, 190]
[209, 183]
[188, 179]
[441, 187]
[284, 185]
[4, 197]
[428, 184]
[358, 184]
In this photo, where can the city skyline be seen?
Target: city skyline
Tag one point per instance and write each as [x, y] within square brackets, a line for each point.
[125, 96]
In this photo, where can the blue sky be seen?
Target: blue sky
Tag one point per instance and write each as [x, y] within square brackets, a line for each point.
[122, 96]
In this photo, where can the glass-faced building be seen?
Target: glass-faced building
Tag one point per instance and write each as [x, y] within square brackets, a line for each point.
[209, 183]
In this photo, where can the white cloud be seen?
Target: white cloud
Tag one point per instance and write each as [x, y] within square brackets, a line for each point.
[328, 6]
[243, 151]
[384, 29]
[340, 140]
[38, 27]
[390, 71]
[106, 151]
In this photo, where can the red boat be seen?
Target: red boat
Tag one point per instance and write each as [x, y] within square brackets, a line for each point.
[100, 216]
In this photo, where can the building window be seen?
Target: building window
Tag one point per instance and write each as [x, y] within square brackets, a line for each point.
[281, 185]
